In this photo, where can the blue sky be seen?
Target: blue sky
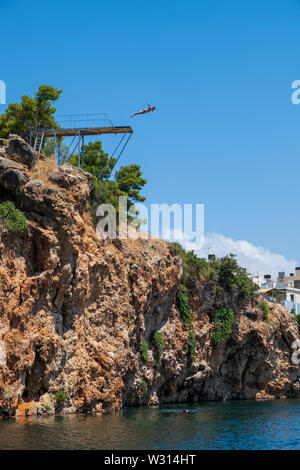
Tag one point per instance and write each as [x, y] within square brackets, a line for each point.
[225, 134]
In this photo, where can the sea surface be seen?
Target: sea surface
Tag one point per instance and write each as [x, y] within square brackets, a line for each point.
[232, 425]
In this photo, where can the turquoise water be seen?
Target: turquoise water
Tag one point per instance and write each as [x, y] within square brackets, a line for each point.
[232, 425]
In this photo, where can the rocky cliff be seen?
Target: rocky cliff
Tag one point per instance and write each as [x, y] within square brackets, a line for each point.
[74, 311]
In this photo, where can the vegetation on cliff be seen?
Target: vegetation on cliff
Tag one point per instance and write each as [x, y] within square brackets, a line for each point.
[190, 346]
[193, 266]
[224, 319]
[61, 397]
[185, 313]
[14, 220]
[225, 276]
[144, 351]
[159, 344]
[183, 304]
[30, 112]
[265, 310]
[225, 273]
[145, 386]
[127, 181]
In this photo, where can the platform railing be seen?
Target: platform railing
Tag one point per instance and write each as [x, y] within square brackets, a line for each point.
[76, 121]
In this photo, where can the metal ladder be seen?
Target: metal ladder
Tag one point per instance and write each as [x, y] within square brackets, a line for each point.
[38, 142]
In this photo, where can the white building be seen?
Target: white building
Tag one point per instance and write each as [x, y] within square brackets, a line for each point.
[286, 289]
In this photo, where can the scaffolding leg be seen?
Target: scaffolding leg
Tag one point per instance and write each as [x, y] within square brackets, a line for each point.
[79, 154]
[59, 153]
[120, 153]
[54, 141]
[82, 151]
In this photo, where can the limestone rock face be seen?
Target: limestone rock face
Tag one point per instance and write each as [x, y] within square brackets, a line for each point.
[12, 179]
[74, 310]
[70, 177]
[20, 151]
[6, 164]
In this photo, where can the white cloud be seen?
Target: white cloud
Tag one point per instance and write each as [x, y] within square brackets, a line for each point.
[256, 259]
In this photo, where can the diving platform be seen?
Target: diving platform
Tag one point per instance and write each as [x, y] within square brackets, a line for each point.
[82, 131]
[78, 126]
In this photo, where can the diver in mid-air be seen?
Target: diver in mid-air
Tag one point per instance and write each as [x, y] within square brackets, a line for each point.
[144, 111]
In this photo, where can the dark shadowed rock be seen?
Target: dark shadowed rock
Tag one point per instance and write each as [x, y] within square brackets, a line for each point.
[19, 151]
[6, 164]
[13, 178]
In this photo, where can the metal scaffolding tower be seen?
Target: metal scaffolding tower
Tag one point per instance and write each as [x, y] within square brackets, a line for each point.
[78, 126]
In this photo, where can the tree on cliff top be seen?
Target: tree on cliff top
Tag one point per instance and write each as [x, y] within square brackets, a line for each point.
[225, 273]
[95, 160]
[35, 112]
[130, 181]
[127, 181]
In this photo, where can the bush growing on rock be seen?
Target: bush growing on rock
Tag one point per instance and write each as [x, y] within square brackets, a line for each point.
[144, 352]
[265, 310]
[191, 347]
[159, 343]
[184, 308]
[225, 273]
[145, 386]
[14, 220]
[47, 409]
[183, 304]
[224, 319]
[192, 265]
[231, 277]
[61, 397]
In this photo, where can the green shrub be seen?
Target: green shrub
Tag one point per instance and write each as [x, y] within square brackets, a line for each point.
[61, 397]
[191, 347]
[224, 319]
[183, 304]
[224, 272]
[219, 291]
[232, 278]
[159, 344]
[265, 310]
[144, 352]
[192, 265]
[145, 386]
[14, 220]
[47, 408]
